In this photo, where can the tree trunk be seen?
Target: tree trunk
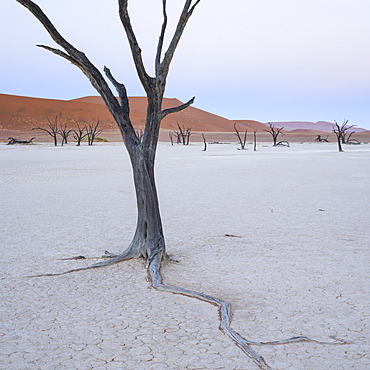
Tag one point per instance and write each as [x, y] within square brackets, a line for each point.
[274, 137]
[148, 239]
[339, 139]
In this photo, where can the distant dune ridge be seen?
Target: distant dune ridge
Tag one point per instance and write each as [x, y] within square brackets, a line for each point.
[26, 112]
[317, 126]
[19, 114]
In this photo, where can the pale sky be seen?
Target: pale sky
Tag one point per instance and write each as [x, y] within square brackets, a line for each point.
[266, 60]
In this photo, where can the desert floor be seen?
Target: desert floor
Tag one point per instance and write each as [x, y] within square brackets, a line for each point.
[298, 263]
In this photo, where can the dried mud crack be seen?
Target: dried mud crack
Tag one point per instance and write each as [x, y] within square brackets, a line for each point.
[156, 280]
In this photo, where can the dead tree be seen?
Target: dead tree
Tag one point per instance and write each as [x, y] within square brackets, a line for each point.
[64, 133]
[93, 132]
[344, 128]
[243, 141]
[170, 134]
[13, 141]
[183, 135]
[283, 143]
[320, 139]
[205, 143]
[255, 140]
[177, 136]
[52, 129]
[351, 141]
[79, 134]
[188, 134]
[338, 131]
[148, 241]
[275, 132]
[345, 134]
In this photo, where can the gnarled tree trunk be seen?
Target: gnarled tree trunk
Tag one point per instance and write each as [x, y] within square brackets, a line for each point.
[148, 238]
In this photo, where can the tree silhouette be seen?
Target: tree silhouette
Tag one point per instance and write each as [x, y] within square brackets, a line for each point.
[92, 132]
[243, 141]
[275, 132]
[80, 133]
[52, 129]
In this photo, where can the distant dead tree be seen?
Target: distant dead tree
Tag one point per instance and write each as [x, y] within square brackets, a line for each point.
[205, 143]
[188, 134]
[241, 141]
[352, 141]
[13, 141]
[64, 133]
[79, 134]
[177, 136]
[183, 135]
[275, 132]
[338, 131]
[344, 128]
[283, 143]
[93, 132]
[255, 140]
[170, 134]
[52, 129]
[319, 139]
[345, 134]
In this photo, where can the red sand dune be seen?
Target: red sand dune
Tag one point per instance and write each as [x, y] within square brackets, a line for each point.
[18, 115]
[20, 112]
[250, 125]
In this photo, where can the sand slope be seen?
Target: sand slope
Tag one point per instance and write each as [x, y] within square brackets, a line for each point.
[18, 115]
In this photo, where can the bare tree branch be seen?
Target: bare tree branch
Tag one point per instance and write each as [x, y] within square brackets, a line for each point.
[60, 53]
[184, 17]
[167, 111]
[241, 141]
[121, 89]
[145, 79]
[161, 38]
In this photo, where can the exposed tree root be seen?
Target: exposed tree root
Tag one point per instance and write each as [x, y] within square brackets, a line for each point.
[112, 260]
[73, 258]
[225, 317]
[224, 308]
